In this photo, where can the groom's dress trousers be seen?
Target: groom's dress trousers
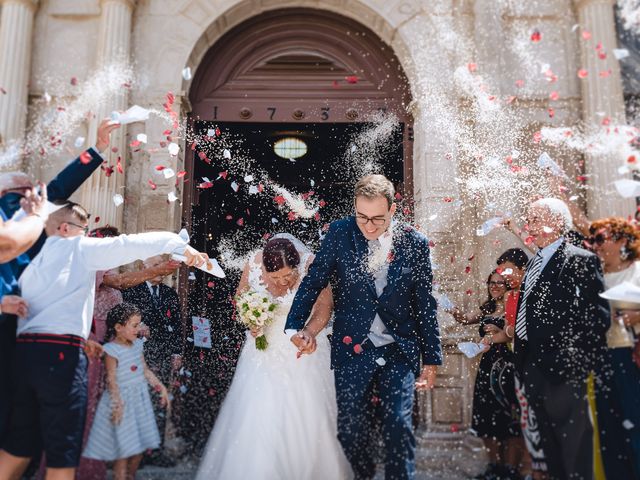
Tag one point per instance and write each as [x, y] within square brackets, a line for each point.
[560, 338]
[391, 314]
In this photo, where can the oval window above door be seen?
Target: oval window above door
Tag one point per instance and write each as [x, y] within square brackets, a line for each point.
[290, 147]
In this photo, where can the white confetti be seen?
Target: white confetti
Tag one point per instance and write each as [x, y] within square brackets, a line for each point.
[47, 97]
[226, 154]
[234, 186]
[168, 173]
[79, 142]
[620, 53]
[211, 132]
[353, 148]
[381, 361]
[174, 149]
[628, 424]
[186, 73]
[507, 271]
[183, 389]
[117, 199]
[274, 220]
[433, 217]
[142, 137]
[192, 276]
[253, 190]
[248, 178]
[546, 229]
[171, 196]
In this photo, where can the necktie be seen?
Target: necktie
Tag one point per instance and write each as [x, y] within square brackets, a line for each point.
[533, 272]
[156, 296]
[378, 333]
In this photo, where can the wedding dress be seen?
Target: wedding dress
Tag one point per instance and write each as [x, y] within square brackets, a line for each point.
[278, 420]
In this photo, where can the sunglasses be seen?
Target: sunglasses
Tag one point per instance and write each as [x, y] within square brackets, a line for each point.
[494, 283]
[84, 228]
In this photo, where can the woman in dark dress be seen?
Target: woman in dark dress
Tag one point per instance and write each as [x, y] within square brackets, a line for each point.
[495, 413]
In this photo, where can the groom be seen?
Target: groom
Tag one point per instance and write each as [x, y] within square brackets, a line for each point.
[385, 323]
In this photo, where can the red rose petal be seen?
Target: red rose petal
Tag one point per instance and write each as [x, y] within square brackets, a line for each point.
[85, 158]
[586, 34]
[279, 199]
[152, 185]
[74, 81]
[96, 219]
[351, 79]
[551, 112]
[223, 175]
[472, 67]
[181, 173]
[357, 348]
[554, 95]
[347, 340]
[61, 356]
[582, 73]
[119, 165]
[134, 368]
[211, 284]
[536, 36]
[240, 222]
[159, 168]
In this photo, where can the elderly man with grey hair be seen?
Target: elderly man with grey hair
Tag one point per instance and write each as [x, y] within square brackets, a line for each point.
[560, 330]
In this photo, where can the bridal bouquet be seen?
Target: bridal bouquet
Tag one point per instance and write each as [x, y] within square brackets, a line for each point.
[256, 311]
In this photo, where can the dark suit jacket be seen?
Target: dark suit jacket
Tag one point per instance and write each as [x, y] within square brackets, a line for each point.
[165, 322]
[566, 318]
[406, 305]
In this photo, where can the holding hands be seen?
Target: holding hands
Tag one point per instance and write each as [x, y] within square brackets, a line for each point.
[14, 305]
[304, 342]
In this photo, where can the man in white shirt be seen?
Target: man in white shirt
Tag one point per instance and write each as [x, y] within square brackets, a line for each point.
[50, 389]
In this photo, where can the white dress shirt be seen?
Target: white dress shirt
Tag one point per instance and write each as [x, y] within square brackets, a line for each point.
[59, 284]
[547, 252]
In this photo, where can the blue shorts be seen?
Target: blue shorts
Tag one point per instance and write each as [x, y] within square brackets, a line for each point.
[49, 399]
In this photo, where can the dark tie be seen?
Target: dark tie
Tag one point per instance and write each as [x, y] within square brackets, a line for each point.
[156, 296]
[531, 277]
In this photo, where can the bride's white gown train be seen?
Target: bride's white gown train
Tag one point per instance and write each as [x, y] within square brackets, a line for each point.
[278, 420]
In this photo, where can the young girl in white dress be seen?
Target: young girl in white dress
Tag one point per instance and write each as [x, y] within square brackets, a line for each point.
[278, 421]
[125, 426]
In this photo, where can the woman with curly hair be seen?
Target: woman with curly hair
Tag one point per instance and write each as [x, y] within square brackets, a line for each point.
[617, 242]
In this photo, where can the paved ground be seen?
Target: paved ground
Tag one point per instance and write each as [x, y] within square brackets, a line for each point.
[437, 459]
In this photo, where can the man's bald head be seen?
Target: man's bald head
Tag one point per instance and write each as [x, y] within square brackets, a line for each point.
[14, 182]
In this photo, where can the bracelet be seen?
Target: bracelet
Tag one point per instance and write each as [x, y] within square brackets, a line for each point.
[506, 331]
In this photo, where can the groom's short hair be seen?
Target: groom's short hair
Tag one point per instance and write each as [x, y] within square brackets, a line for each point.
[373, 186]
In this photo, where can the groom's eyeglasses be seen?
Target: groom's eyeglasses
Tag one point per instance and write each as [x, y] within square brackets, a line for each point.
[377, 221]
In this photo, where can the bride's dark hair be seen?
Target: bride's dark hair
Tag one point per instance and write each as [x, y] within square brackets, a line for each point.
[279, 253]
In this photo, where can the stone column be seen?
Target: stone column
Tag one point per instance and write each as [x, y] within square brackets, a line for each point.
[601, 95]
[114, 40]
[16, 30]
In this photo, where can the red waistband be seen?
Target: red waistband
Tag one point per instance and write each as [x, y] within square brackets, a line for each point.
[72, 340]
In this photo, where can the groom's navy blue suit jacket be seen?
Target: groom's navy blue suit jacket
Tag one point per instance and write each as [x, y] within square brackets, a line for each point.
[406, 305]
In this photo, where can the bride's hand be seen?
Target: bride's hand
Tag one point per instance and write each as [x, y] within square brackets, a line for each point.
[254, 332]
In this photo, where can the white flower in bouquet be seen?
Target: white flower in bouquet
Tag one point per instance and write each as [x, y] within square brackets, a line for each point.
[256, 311]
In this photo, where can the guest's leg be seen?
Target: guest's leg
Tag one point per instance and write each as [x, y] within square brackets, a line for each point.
[354, 383]
[566, 408]
[62, 397]
[12, 467]
[132, 466]
[396, 383]
[7, 347]
[60, 473]
[120, 469]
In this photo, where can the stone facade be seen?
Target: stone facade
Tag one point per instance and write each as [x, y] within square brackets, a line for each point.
[45, 39]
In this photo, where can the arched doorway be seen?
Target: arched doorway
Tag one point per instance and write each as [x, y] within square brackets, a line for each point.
[303, 79]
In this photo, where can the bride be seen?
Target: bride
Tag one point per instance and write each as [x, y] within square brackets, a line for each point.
[278, 420]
